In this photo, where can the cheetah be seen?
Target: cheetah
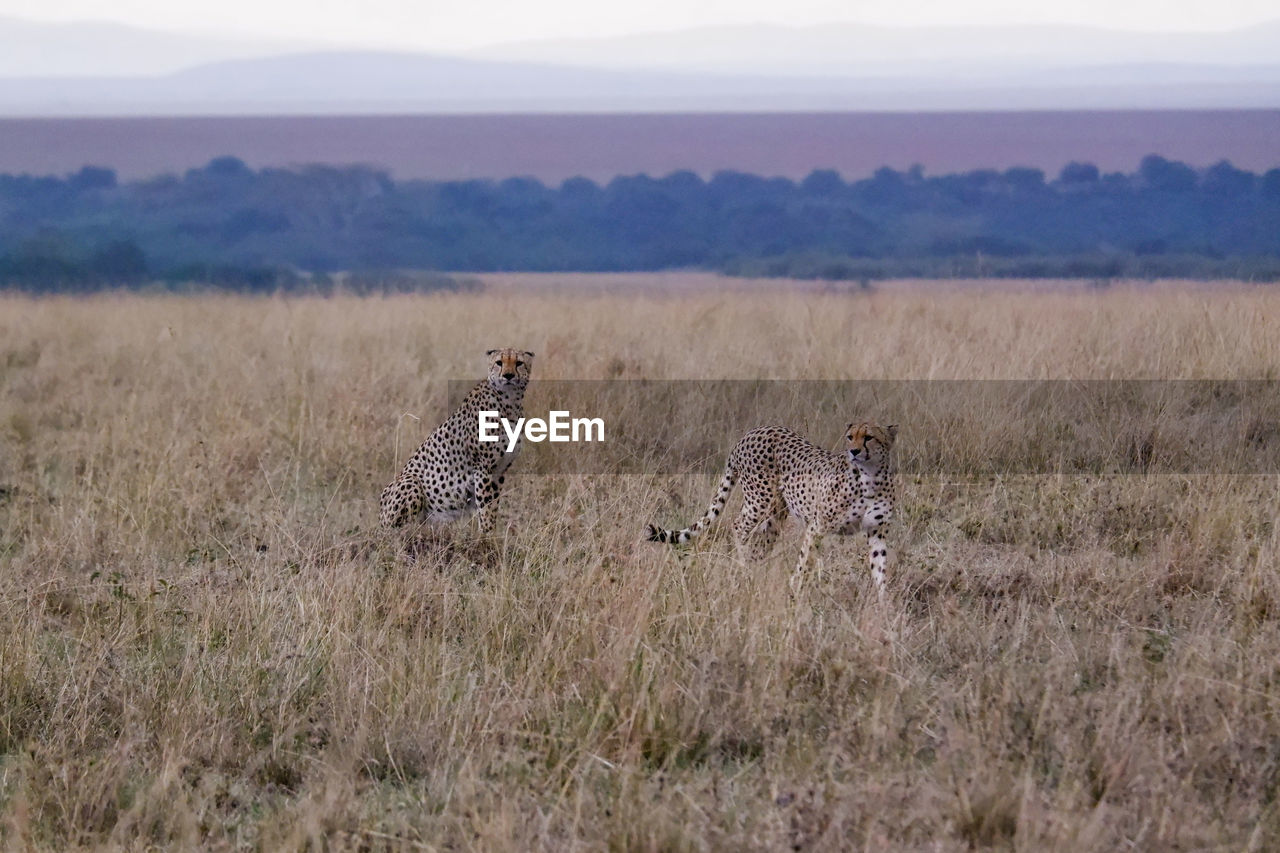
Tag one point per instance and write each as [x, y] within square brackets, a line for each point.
[453, 473]
[782, 473]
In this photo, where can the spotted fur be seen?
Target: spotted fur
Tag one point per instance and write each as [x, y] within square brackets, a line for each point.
[453, 473]
[781, 473]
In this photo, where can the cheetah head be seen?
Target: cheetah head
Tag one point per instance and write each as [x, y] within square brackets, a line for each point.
[869, 445]
[509, 368]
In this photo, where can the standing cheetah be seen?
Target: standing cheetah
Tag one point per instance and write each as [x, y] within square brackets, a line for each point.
[783, 473]
[453, 473]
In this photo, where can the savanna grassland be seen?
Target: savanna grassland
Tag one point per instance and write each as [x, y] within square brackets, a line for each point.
[205, 642]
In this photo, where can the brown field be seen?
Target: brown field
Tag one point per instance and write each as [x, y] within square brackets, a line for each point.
[205, 642]
[555, 147]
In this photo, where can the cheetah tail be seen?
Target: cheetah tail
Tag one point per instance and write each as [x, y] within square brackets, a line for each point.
[679, 537]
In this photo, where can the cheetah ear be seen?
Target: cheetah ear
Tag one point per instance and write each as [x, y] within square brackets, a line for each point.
[528, 354]
[892, 429]
[490, 352]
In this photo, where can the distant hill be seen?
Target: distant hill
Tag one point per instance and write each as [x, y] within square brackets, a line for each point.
[859, 49]
[105, 49]
[363, 82]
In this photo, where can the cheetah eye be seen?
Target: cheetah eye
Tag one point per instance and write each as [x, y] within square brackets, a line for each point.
[498, 363]
[519, 364]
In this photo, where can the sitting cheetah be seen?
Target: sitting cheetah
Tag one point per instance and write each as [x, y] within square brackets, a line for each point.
[453, 473]
[783, 473]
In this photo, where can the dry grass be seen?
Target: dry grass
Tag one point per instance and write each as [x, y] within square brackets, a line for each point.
[204, 643]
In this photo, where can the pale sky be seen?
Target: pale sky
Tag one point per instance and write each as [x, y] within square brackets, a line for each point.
[463, 24]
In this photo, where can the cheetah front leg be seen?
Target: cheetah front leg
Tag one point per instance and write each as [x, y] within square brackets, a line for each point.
[877, 558]
[812, 538]
[486, 490]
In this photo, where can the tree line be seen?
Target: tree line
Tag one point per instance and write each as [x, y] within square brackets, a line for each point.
[228, 225]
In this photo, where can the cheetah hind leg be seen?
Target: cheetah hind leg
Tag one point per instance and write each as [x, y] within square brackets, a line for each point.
[766, 534]
[754, 515]
[402, 501]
